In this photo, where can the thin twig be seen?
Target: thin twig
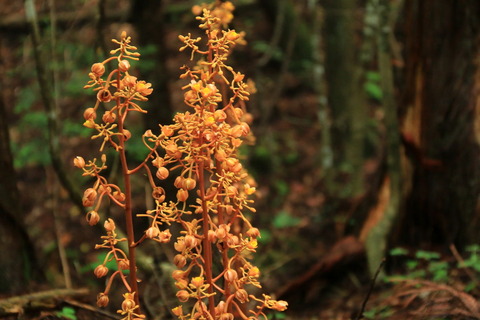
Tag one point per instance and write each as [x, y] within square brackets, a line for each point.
[372, 285]
[460, 260]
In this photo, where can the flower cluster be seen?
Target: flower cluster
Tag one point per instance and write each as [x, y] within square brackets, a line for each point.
[214, 274]
[213, 188]
[118, 94]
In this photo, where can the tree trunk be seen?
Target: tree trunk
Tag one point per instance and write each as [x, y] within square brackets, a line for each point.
[345, 99]
[440, 97]
[15, 246]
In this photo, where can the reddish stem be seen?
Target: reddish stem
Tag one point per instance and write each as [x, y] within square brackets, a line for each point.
[207, 246]
[128, 213]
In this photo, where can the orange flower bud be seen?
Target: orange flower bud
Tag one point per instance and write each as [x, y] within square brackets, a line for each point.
[178, 183]
[190, 241]
[124, 264]
[167, 131]
[183, 295]
[245, 128]
[253, 232]
[232, 191]
[189, 95]
[189, 184]
[236, 131]
[100, 271]
[158, 193]
[280, 305]
[241, 295]
[129, 81]
[152, 232]
[179, 245]
[79, 162]
[109, 225]
[98, 69]
[102, 300]
[158, 162]
[124, 65]
[127, 134]
[165, 236]
[222, 231]
[220, 115]
[182, 195]
[109, 117]
[220, 308]
[231, 275]
[181, 284]
[238, 112]
[104, 96]
[211, 235]
[180, 261]
[89, 114]
[89, 197]
[128, 303]
[162, 173]
[178, 274]
[93, 218]
[119, 196]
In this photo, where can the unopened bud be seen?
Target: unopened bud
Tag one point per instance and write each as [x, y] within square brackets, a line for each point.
[124, 264]
[89, 114]
[189, 184]
[231, 275]
[124, 65]
[183, 295]
[79, 162]
[182, 195]
[98, 69]
[100, 271]
[102, 300]
[109, 225]
[162, 173]
[104, 96]
[190, 241]
[180, 261]
[152, 232]
[241, 295]
[127, 134]
[93, 218]
[253, 232]
[109, 117]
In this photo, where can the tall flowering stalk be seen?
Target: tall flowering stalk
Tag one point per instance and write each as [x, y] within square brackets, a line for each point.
[214, 275]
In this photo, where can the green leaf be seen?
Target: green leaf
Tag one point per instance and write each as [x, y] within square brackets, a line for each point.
[373, 90]
[427, 255]
[284, 220]
[398, 252]
[67, 312]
